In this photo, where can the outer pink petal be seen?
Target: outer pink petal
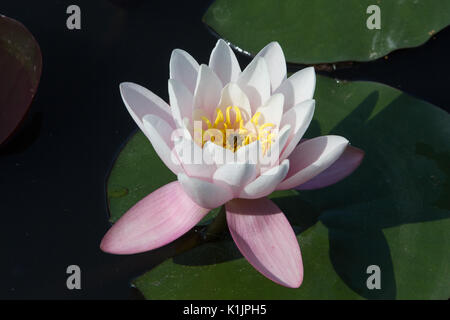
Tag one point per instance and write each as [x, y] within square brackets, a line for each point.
[266, 239]
[340, 169]
[161, 217]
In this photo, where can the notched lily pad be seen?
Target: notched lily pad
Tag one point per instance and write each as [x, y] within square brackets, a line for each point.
[323, 31]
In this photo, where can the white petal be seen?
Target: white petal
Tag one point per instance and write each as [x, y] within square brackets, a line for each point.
[272, 110]
[298, 87]
[266, 183]
[311, 158]
[282, 138]
[181, 100]
[232, 95]
[224, 63]
[207, 91]
[219, 154]
[236, 175]
[140, 101]
[272, 157]
[255, 82]
[249, 153]
[159, 132]
[276, 63]
[205, 194]
[183, 68]
[299, 118]
[195, 160]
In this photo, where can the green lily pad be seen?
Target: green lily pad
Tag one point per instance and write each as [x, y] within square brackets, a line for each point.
[218, 271]
[137, 172]
[392, 212]
[323, 31]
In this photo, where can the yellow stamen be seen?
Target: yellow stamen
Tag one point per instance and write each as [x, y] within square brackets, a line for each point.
[208, 123]
[238, 115]
[261, 130]
[214, 135]
[255, 118]
[265, 125]
[241, 125]
[219, 117]
[241, 135]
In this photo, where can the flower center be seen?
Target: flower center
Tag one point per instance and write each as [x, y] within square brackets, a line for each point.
[231, 132]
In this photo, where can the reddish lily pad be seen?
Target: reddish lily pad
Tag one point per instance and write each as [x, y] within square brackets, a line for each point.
[392, 212]
[21, 66]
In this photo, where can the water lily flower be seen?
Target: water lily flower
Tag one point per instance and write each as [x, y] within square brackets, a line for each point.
[227, 116]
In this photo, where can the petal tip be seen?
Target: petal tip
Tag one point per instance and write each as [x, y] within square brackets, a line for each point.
[104, 245]
[295, 284]
[176, 51]
[123, 86]
[274, 44]
[108, 245]
[221, 42]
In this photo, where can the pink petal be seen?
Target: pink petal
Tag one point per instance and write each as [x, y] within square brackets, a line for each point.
[311, 158]
[341, 168]
[161, 217]
[266, 239]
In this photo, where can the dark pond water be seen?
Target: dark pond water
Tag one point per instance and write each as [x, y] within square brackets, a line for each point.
[52, 174]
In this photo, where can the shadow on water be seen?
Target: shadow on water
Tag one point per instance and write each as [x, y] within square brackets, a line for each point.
[384, 192]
